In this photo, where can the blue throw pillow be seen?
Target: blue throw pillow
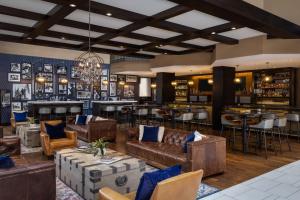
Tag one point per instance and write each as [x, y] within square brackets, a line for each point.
[55, 131]
[81, 120]
[189, 138]
[150, 134]
[20, 116]
[149, 181]
[6, 162]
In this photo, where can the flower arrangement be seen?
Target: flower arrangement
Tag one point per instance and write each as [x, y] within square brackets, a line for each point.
[99, 145]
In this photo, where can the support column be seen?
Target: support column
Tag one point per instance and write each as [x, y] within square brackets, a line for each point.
[223, 92]
[165, 92]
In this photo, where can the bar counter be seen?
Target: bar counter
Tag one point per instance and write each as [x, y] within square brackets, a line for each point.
[99, 105]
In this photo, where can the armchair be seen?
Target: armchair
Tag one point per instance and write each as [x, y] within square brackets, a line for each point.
[15, 124]
[184, 186]
[51, 145]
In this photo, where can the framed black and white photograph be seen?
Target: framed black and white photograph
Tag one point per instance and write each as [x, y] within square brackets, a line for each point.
[121, 78]
[62, 89]
[5, 101]
[87, 87]
[103, 86]
[61, 69]
[75, 73]
[72, 89]
[48, 87]
[103, 94]
[48, 77]
[21, 91]
[84, 94]
[86, 104]
[96, 94]
[15, 67]
[129, 91]
[104, 72]
[39, 88]
[16, 106]
[79, 86]
[131, 79]
[26, 71]
[48, 68]
[112, 89]
[25, 106]
[13, 77]
[113, 78]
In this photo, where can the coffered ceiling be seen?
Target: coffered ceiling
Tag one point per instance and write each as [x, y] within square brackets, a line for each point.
[139, 28]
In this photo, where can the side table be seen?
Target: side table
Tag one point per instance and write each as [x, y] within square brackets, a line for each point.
[30, 135]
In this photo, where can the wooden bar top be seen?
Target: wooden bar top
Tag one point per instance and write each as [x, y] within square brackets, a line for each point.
[115, 102]
[54, 102]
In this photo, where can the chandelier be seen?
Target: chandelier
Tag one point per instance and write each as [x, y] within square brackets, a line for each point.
[89, 64]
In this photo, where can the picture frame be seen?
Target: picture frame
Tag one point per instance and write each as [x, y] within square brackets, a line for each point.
[75, 72]
[84, 94]
[48, 77]
[15, 67]
[26, 71]
[104, 72]
[96, 94]
[48, 88]
[131, 79]
[121, 78]
[61, 70]
[14, 77]
[129, 91]
[72, 89]
[62, 89]
[5, 101]
[103, 94]
[39, 88]
[112, 89]
[104, 86]
[113, 78]
[79, 86]
[48, 68]
[21, 91]
[16, 106]
[25, 106]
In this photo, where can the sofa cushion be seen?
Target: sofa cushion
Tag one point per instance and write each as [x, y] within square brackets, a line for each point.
[55, 131]
[150, 134]
[189, 138]
[160, 136]
[80, 119]
[20, 116]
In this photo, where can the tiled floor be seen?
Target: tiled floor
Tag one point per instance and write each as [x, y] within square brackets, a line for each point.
[279, 184]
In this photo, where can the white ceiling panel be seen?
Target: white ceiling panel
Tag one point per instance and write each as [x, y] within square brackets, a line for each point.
[57, 40]
[109, 47]
[145, 7]
[201, 42]
[156, 32]
[37, 6]
[76, 31]
[148, 53]
[17, 20]
[242, 33]
[197, 19]
[96, 19]
[129, 40]
[12, 33]
[173, 48]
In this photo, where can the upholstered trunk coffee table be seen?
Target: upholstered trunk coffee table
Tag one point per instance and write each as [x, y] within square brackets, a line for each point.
[30, 135]
[86, 175]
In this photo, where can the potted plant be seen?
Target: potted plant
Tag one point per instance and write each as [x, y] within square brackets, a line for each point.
[100, 146]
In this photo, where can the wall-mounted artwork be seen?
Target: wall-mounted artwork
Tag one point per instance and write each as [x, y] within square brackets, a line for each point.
[48, 87]
[104, 72]
[62, 70]
[103, 86]
[96, 94]
[15, 67]
[48, 68]
[21, 92]
[62, 89]
[121, 78]
[79, 86]
[103, 95]
[48, 76]
[5, 101]
[39, 87]
[26, 71]
[112, 89]
[84, 94]
[25, 106]
[129, 91]
[131, 79]
[75, 72]
[72, 89]
[14, 77]
[113, 78]
[16, 106]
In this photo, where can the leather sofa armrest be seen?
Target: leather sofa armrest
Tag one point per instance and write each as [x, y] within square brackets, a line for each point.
[133, 133]
[72, 135]
[109, 194]
[45, 142]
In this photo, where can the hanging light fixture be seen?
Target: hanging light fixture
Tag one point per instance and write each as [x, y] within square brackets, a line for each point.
[63, 81]
[89, 64]
[153, 85]
[190, 82]
[237, 79]
[41, 79]
[122, 83]
[105, 82]
[210, 81]
[173, 83]
[267, 78]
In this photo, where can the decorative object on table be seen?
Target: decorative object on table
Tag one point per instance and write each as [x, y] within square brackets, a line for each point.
[103, 85]
[48, 68]
[14, 77]
[21, 91]
[112, 89]
[61, 70]
[84, 94]
[16, 106]
[6, 162]
[15, 67]
[100, 145]
[48, 87]
[131, 79]
[113, 78]
[5, 101]
[129, 91]
[26, 71]
[62, 89]
[104, 72]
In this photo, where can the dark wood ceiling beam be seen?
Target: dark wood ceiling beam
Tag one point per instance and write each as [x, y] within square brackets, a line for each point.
[245, 14]
[22, 13]
[16, 28]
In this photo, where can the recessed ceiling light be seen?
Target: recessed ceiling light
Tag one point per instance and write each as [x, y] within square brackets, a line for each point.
[161, 45]
[121, 46]
[72, 5]
[213, 33]
[108, 14]
[63, 38]
[29, 38]
[165, 53]
[233, 28]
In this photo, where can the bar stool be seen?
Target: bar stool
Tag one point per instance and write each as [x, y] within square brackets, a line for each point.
[44, 113]
[185, 118]
[231, 121]
[109, 110]
[201, 117]
[268, 116]
[279, 126]
[264, 126]
[60, 112]
[75, 110]
[294, 118]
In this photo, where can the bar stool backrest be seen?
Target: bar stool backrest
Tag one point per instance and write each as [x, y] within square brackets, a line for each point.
[142, 111]
[44, 111]
[293, 117]
[269, 116]
[280, 122]
[75, 109]
[201, 115]
[60, 110]
[187, 116]
[265, 124]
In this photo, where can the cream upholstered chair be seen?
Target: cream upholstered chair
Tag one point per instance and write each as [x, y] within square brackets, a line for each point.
[184, 186]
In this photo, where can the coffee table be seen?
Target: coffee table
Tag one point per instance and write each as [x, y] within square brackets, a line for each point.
[86, 175]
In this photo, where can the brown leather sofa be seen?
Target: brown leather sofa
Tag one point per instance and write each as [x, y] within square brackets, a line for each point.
[94, 129]
[28, 181]
[208, 154]
[10, 145]
[51, 145]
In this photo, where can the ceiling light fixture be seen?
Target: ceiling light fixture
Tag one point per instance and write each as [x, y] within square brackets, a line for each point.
[213, 33]
[237, 80]
[210, 81]
[108, 14]
[165, 53]
[64, 81]
[122, 83]
[173, 83]
[63, 38]
[29, 38]
[233, 28]
[72, 5]
[191, 83]
[153, 85]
